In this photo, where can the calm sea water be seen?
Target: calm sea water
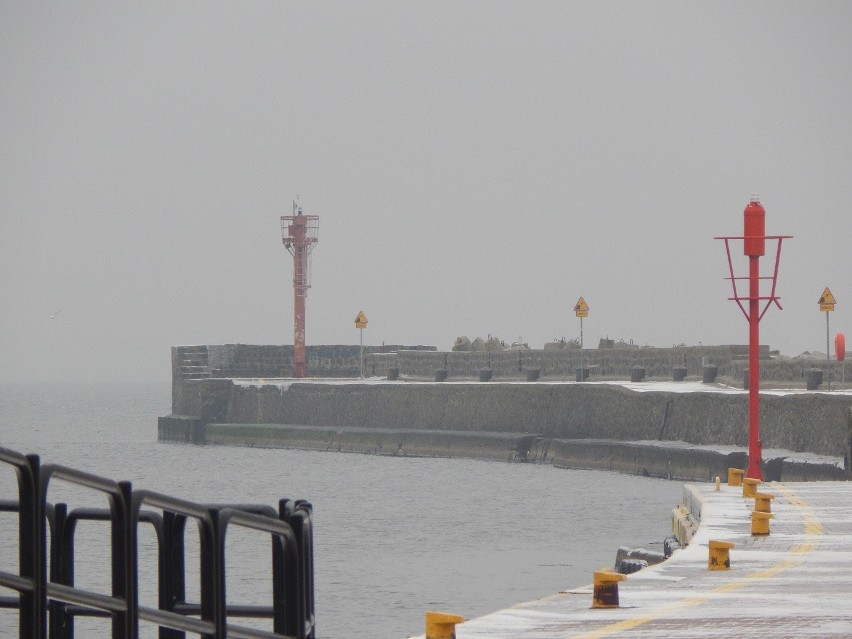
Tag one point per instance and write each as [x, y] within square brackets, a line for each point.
[394, 537]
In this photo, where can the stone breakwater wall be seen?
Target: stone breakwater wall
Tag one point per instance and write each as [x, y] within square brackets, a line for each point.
[652, 459]
[256, 360]
[818, 423]
[731, 363]
[421, 362]
[562, 363]
[240, 361]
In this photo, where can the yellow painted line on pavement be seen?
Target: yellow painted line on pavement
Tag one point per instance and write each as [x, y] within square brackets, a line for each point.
[813, 528]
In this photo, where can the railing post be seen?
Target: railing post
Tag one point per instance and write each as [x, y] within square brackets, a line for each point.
[299, 612]
[296, 611]
[67, 569]
[172, 568]
[305, 539]
[32, 546]
[58, 622]
[279, 572]
[213, 559]
[126, 623]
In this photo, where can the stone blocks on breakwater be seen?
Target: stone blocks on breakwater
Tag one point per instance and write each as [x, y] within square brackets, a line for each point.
[421, 362]
[404, 443]
[397, 442]
[818, 423]
[182, 429]
[651, 459]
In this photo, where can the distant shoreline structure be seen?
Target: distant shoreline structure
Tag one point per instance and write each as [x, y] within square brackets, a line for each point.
[429, 403]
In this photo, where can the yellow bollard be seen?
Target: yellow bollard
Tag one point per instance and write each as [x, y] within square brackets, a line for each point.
[735, 476]
[441, 625]
[763, 502]
[760, 523]
[605, 593]
[750, 486]
[720, 555]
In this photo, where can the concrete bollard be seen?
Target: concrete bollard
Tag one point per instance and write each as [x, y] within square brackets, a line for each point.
[485, 374]
[760, 523]
[441, 625]
[735, 476]
[679, 373]
[813, 378]
[763, 502]
[532, 374]
[393, 374]
[709, 373]
[718, 483]
[605, 594]
[441, 375]
[750, 486]
[720, 555]
[637, 373]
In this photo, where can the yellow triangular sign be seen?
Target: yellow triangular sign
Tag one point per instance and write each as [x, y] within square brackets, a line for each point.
[361, 320]
[827, 298]
[581, 305]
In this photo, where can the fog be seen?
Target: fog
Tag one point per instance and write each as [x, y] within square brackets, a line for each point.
[476, 166]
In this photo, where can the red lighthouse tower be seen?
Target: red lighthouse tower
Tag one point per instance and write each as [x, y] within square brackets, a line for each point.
[299, 234]
[754, 247]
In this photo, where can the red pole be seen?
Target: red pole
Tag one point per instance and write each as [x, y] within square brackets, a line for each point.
[300, 256]
[754, 245]
[299, 357]
[754, 448]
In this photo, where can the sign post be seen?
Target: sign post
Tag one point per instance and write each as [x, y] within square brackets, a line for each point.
[361, 324]
[826, 304]
[581, 310]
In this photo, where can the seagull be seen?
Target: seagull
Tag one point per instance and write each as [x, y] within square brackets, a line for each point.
[55, 314]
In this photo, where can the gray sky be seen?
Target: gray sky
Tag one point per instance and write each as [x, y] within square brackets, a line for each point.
[476, 166]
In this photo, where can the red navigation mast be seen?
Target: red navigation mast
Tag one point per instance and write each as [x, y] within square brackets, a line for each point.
[754, 246]
[299, 234]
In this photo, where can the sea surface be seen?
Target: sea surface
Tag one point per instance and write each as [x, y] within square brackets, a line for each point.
[393, 536]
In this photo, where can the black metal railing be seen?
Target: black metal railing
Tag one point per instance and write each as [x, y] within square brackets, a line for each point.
[48, 602]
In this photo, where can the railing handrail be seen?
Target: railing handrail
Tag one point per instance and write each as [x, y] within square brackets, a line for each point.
[39, 591]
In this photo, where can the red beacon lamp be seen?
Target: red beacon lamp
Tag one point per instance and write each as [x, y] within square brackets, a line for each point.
[754, 247]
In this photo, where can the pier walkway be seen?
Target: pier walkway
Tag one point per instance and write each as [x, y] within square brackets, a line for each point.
[796, 582]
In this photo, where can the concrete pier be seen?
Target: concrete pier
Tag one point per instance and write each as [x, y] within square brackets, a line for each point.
[793, 582]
